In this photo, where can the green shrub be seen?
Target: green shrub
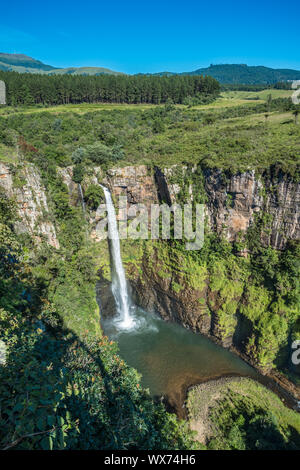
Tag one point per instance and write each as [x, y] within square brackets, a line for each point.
[93, 195]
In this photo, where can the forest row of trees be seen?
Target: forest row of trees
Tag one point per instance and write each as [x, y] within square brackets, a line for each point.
[29, 89]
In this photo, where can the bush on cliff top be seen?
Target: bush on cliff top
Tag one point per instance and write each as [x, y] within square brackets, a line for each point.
[241, 414]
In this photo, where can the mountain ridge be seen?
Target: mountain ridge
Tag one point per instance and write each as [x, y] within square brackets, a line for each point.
[22, 61]
[224, 73]
[24, 64]
[246, 74]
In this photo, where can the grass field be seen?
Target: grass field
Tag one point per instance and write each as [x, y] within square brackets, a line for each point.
[260, 95]
[81, 108]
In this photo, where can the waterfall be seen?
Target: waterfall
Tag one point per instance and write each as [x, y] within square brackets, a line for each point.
[81, 197]
[119, 284]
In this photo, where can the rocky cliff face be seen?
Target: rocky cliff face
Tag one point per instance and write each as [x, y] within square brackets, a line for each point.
[66, 175]
[232, 203]
[156, 292]
[29, 193]
[137, 183]
[194, 308]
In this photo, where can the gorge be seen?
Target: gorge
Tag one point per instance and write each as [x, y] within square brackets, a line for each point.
[209, 296]
[170, 358]
[195, 298]
[153, 275]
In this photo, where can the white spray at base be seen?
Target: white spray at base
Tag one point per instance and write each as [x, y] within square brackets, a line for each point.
[119, 284]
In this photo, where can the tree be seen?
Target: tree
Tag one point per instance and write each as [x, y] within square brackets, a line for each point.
[93, 196]
[31, 89]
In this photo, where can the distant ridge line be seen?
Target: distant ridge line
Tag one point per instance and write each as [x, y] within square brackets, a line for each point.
[225, 73]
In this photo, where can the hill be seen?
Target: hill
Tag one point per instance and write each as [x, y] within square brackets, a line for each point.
[245, 74]
[241, 74]
[84, 71]
[224, 73]
[24, 64]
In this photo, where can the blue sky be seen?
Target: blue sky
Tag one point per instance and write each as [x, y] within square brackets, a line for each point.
[137, 36]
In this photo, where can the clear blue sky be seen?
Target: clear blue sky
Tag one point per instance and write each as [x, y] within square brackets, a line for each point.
[139, 36]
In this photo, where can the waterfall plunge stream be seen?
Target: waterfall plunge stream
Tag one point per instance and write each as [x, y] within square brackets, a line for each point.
[169, 357]
[81, 197]
[119, 284]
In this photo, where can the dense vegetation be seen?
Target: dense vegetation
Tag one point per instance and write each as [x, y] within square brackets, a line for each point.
[257, 134]
[256, 296]
[63, 386]
[257, 87]
[240, 414]
[31, 89]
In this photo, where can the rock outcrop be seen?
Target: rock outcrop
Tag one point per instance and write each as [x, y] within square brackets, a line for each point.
[66, 175]
[137, 183]
[233, 202]
[32, 207]
[233, 205]
[157, 294]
